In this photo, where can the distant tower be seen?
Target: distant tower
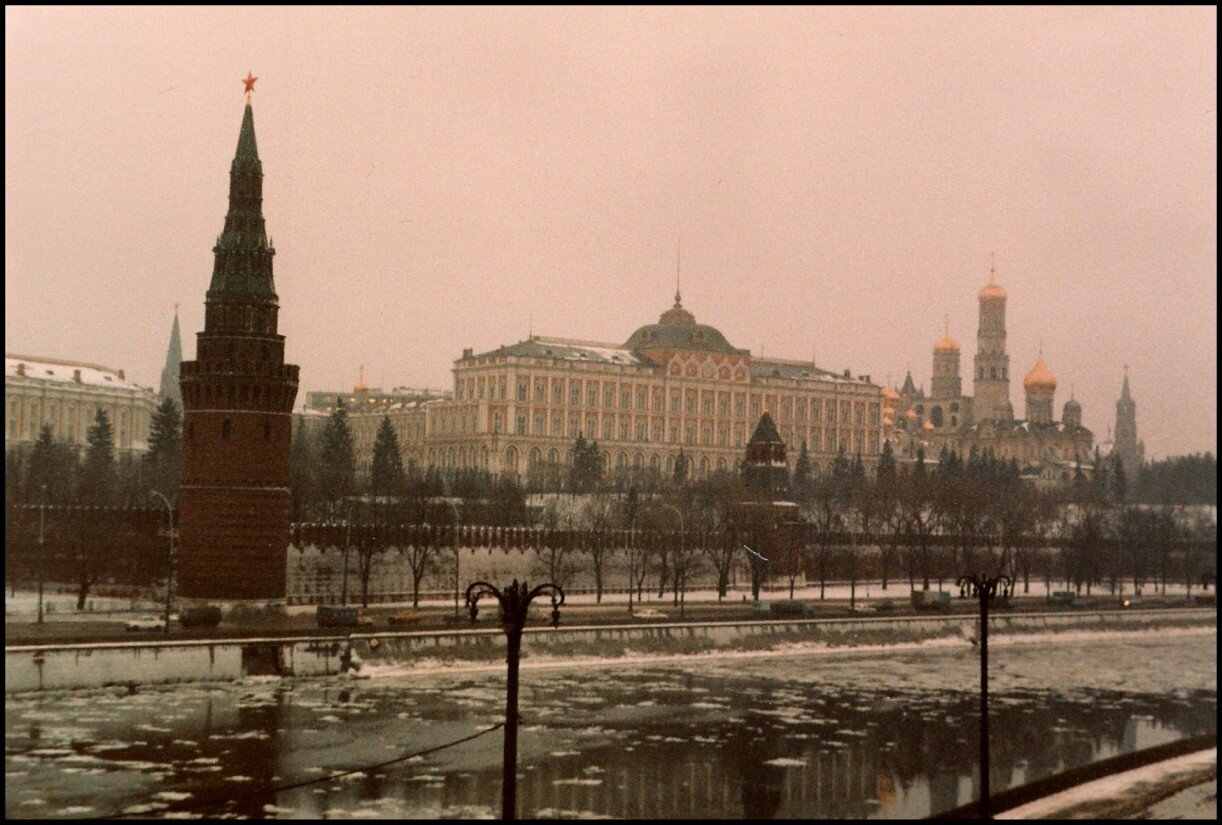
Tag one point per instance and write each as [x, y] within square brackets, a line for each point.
[1071, 415]
[1040, 388]
[238, 399]
[173, 360]
[992, 382]
[765, 470]
[1132, 452]
[946, 381]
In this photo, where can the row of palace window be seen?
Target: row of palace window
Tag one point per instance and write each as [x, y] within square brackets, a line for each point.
[641, 431]
[66, 421]
[689, 401]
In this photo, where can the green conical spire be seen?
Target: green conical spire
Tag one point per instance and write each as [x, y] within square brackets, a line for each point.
[243, 255]
[248, 149]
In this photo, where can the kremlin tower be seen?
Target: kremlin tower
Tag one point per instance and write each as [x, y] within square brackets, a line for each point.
[992, 387]
[238, 397]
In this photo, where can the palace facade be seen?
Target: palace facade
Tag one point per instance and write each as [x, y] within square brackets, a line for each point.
[672, 386]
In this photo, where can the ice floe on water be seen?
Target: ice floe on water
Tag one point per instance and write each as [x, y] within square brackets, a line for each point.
[784, 762]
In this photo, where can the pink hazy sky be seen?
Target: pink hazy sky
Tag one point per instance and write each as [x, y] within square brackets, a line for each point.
[435, 176]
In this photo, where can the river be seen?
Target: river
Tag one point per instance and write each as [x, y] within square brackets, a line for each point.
[867, 734]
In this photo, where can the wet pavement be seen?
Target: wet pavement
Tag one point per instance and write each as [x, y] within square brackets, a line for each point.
[851, 735]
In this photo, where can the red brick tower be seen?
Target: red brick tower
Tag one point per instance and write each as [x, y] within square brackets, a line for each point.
[237, 402]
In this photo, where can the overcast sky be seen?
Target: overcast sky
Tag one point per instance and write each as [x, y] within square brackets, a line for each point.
[435, 176]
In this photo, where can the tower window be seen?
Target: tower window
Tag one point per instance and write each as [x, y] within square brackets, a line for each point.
[226, 428]
[992, 372]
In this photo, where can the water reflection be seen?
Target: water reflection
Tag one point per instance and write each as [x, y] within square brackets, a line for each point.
[675, 741]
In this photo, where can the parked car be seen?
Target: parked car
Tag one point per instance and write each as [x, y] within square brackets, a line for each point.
[405, 617]
[364, 620]
[791, 608]
[1065, 597]
[936, 600]
[331, 615]
[143, 623]
[206, 616]
[648, 613]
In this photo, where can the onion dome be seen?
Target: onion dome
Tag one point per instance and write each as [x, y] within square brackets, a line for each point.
[889, 411]
[946, 343]
[888, 421]
[911, 415]
[992, 289]
[1040, 381]
[1072, 405]
[927, 426]
[890, 395]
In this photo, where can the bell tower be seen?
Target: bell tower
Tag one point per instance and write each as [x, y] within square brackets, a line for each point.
[237, 405]
[992, 365]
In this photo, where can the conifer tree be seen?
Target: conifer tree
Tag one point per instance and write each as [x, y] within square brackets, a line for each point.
[337, 471]
[98, 470]
[886, 463]
[680, 477]
[164, 457]
[386, 476]
[801, 474]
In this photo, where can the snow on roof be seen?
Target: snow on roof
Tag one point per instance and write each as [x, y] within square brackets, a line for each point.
[50, 369]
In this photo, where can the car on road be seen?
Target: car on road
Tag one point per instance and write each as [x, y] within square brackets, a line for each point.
[145, 623]
[792, 609]
[649, 613]
[405, 617]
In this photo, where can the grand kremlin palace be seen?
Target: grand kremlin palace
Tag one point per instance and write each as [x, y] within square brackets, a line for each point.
[674, 385]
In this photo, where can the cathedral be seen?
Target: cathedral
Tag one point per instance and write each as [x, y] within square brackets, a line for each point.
[1048, 451]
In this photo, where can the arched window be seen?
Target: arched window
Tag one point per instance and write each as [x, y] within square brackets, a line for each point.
[935, 416]
[704, 465]
[721, 465]
[992, 372]
[226, 428]
[535, 456]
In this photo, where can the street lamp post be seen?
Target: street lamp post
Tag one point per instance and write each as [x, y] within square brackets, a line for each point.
[42, 513]
[682, 542]
[347, 545]
[515, 601]
[984, 588]
[169, 582]
[457, 556]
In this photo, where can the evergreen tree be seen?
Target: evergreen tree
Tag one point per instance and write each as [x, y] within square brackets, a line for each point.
[337, 470]
[801, 474]
[164, 457]
[386, 476]
[680, 477]
[303, 472]
[98, 469]
[42, 467]
[918, 469]
[587, 466]
[1115, 480]
[886, 463]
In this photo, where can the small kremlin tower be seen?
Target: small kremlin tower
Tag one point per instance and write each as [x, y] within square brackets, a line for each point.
[238, 398]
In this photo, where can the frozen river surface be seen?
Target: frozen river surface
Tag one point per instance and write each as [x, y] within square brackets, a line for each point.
[844, 735]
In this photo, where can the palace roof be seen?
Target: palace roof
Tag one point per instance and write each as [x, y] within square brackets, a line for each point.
[52, 369]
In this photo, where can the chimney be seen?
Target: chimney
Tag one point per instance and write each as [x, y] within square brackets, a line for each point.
[21, 369]
[468, 352]
[121, 376]
[76, 376]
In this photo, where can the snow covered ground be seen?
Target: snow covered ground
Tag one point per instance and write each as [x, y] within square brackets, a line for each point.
[1125, 792]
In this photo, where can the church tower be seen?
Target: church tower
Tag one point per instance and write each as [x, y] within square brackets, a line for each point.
[1040, 387]
[992, 383]
[1131, 451]
[238, 398]
[173, 362]
[946, 382]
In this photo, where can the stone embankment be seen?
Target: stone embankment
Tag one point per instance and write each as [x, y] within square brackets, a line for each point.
[66, 666]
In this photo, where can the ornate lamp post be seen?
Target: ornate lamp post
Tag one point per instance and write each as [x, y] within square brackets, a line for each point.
[42, 564]
[682, 547]
[984, 588]
[169, 582]
[515, 601]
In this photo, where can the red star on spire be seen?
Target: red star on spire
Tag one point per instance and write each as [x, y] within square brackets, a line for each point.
[250, 82]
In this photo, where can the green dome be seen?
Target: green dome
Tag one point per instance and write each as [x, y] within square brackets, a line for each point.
[677, 329]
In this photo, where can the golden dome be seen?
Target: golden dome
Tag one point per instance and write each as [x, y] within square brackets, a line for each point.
[928, 425]
[946, 343]
[889, 411]
[910, 415]
[992, 289]
[890, 394]
[888, 422]
[1040, 381]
